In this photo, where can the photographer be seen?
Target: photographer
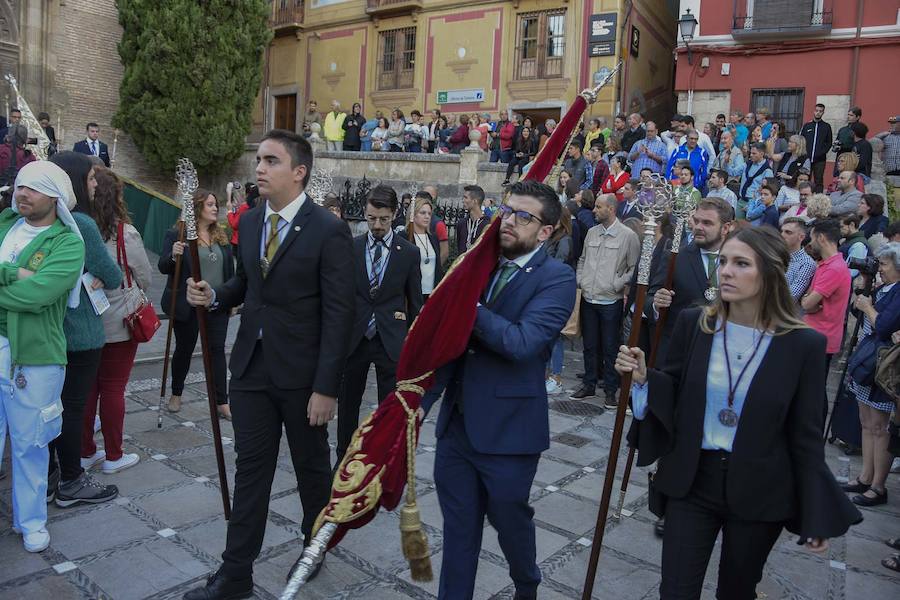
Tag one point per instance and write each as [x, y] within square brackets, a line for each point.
[881, 318]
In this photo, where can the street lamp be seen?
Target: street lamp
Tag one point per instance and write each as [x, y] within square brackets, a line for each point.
[687, 25]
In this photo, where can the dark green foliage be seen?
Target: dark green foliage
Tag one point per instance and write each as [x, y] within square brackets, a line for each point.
[192, 72]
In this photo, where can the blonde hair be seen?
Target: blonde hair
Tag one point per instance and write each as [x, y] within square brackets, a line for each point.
[800, 141]
[418, 202]
[777, 308]
[818, 206]
[851, 160]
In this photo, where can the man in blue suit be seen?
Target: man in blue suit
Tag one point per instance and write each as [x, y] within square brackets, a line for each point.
[91, 145]
[493, 424]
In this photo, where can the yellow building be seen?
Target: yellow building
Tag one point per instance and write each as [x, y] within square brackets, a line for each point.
[466, 56]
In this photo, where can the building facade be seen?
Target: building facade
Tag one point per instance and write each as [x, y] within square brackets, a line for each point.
[529, 56]
[789, 55]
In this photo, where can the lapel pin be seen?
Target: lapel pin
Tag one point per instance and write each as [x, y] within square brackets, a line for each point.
[528, 269]
[296, 228]
[398, 247]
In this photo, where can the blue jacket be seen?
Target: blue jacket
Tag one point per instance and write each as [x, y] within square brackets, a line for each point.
[699, 159]
[500, 377]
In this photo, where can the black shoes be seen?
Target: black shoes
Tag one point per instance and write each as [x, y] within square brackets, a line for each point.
[611, 399]
[85, 489]
[857, 487]
[877, 500]
[582, 392]
[220, 587]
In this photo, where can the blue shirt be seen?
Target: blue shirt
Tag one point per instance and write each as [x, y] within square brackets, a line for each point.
[643, 161]
[740, 348]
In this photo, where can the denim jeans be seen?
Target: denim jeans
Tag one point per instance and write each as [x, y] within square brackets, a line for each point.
[601, 328]
[556, 358]
[504, 156]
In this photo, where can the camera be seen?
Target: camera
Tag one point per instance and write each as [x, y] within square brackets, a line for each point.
[866, 266]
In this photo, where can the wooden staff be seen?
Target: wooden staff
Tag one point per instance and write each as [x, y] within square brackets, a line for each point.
[165, 373]
[654, 349]
[624, 390]
[190, 224]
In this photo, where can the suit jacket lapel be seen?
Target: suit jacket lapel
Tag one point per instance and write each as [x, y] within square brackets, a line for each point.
[777, 354]
[362, 272]
[522, 275]
[294, 230]
[695, 258]
[394, 265]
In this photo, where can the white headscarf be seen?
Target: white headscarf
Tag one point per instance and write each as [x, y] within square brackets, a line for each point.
[49, 179]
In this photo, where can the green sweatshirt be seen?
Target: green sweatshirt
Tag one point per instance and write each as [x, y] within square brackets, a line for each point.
[32, 310]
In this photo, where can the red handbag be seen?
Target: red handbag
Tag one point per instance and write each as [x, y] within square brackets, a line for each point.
[142, 322]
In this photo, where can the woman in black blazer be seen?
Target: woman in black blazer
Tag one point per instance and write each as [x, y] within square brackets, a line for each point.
[216, 265]
[735, 419]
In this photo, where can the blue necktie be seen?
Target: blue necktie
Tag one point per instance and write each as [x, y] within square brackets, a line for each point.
[94, 148]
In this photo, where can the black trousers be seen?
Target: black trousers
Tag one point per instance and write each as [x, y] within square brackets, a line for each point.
[692, 525]
[601, 331]
[186, 333]
[517, 163]
[353, 386]
[818, 176]
[81, 372]
[259, 410]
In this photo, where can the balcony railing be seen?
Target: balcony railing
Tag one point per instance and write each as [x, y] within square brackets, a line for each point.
[771, 18]
[286, 14]
[383, 8]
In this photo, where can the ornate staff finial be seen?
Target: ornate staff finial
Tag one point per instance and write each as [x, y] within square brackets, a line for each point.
[590, 95]
[654, 200]
[186, 176]
[320, 184]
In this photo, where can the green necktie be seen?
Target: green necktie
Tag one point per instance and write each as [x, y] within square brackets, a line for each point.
[712, 270]
[506, 273]
[273, 240]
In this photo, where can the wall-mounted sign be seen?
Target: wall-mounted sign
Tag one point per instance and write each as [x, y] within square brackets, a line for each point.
[460, 96]
[602, 38]
[635, 43]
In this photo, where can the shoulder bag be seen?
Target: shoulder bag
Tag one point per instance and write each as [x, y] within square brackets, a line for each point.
[142, 322]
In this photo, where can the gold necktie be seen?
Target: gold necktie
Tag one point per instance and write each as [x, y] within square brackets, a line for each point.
[273, 240]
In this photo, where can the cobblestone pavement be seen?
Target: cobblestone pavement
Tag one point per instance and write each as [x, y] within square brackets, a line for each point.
[165, 532]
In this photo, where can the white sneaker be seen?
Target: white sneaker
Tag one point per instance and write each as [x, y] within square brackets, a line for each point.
[90, 461]
[553, 386]
[114, 466]
[96, 423]
[37, 541]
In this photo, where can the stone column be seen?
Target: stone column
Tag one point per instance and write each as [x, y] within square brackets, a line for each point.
[468, 165]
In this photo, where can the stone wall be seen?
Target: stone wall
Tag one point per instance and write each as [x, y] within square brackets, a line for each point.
[84, 58]
[404, 172]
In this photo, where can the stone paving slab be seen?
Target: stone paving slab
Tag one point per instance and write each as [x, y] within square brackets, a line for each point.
[165, 533]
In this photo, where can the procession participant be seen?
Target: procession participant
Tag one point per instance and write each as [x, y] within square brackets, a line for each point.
[42, 260]
[388, 299]
[417, 232]
[296, 285]
[217, 267]
[494, 392]
[741, 450]
[470, 226]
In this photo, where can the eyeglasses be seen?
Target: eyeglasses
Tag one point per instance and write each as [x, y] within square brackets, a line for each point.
[523, 217]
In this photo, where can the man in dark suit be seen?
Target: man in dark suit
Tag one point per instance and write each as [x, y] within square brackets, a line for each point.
[295, 280]
[493, 424]
[91, 145]
[469, 227]
[628, 207]
[388, 298]
[695, 281]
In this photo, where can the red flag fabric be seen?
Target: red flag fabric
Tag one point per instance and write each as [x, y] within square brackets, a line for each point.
[375, 468]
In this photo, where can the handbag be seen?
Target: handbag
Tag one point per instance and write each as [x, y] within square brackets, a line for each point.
[142, 322]
[573, 326]
[863, 361]
[656, 500]
[887, 371]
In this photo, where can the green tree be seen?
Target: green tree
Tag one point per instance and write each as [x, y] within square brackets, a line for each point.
[192, 72]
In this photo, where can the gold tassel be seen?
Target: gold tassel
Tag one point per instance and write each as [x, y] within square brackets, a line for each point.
[415, 543]
[412, 537]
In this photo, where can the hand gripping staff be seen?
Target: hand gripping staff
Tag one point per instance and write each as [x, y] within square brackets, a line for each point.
[380, 459]
[188, 174]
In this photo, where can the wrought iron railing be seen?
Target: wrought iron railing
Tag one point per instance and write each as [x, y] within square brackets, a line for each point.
[286, 12]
